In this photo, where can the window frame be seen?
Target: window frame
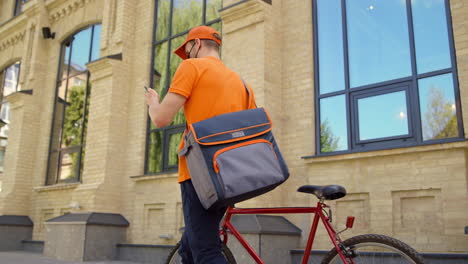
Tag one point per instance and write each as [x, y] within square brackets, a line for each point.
[167, 131]
[19, 4]
[2, 102]
[400, 87]
[373, 89]
[49, 179]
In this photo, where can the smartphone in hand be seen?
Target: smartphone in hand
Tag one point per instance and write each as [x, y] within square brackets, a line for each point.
[146, 88]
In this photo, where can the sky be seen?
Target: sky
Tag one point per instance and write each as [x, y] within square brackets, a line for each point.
[378, 51]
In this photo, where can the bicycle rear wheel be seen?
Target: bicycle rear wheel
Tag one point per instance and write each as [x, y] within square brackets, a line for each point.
[375, 249]
[174, 257]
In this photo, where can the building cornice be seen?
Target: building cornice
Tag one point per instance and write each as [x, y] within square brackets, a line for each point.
[245, 14]
[59, 9]
[13, 31]
[12, 40]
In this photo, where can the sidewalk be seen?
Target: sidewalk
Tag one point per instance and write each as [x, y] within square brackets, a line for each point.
[22, 257]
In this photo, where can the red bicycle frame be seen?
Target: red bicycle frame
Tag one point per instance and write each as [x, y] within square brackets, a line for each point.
[319, 215]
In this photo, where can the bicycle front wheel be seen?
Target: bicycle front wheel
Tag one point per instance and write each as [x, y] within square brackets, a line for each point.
[375, 249]
[174, 257]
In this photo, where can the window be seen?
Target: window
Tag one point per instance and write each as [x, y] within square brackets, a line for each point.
[68, 136]
[174, 18]
[9, 80]
[19, 6]
[386, 75]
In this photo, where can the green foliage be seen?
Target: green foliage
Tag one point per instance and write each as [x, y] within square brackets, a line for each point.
[328, 141]
[74, 126]
[162, 25]
[155, 152]
[440, 119]
[186, 14]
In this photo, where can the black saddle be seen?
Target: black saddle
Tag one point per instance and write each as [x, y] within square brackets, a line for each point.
[327, 192]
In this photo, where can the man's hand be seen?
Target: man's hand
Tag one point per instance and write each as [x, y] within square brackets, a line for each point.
[163, 113]
[151, 97]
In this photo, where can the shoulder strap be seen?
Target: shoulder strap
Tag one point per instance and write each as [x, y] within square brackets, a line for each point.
[248, 94]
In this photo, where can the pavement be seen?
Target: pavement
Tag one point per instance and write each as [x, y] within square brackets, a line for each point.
[22, 257]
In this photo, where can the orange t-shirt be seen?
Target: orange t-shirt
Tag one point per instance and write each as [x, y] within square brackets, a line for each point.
[211, 89]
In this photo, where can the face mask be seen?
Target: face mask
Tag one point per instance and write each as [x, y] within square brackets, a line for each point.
[188, 55]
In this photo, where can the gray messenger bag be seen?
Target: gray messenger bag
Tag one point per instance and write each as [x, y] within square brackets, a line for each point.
[233, 157]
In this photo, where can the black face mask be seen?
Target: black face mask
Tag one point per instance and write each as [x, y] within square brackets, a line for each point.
[190, 51]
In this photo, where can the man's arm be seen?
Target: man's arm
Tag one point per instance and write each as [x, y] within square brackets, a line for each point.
[163, 113]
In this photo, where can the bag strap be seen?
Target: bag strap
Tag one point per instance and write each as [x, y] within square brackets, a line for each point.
[187, 144]
[248, 94]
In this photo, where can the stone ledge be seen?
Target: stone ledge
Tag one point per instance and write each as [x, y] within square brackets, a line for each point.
[158, 176]
[56, 187]
[386, 152]
[17, 99]
[15, 220]
[90, 219]
[264, 224]
[143, 246]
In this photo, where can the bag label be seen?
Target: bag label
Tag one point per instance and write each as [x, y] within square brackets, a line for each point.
[238, 134]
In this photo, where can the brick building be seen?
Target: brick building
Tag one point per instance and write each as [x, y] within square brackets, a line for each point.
[369, 95]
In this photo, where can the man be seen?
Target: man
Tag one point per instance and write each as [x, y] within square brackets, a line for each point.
[205, 87]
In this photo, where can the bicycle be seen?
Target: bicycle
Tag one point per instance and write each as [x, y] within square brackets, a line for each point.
[369, 248]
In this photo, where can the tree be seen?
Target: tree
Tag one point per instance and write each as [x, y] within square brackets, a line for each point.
[440, 119]
[75, 125]
[328, 141]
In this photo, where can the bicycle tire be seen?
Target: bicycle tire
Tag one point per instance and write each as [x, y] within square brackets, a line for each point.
[174, 257]
[373, 248]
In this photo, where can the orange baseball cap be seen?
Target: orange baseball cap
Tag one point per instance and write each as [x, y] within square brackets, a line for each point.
[200, 32]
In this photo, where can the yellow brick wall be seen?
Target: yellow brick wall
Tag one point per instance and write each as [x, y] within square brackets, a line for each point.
[6, 10]
[459, 9]
[270, 46]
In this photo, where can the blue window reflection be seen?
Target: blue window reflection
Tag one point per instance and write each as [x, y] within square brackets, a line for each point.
[11, 79]
[383, 116]
[437, 106]
[330, 46]
[333, 135]
[80, 50]
[96, 43]
[430, 35]
[70, 116]
[378, 41]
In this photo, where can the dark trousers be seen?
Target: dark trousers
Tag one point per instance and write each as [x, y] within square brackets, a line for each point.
[201, 243]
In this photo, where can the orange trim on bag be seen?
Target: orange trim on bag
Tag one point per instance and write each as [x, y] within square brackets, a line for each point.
[215, 164]
[235, 139]
[230, 140]
[230, 131]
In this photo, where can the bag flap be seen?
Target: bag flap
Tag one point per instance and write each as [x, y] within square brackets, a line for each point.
[232, 127]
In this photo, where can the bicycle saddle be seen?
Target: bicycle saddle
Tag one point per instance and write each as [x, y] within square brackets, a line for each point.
[327, 192]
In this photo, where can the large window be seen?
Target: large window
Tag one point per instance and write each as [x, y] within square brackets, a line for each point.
[19, 7]
[70, 117]
[386, 75]
[9, 81]
[173, 20]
